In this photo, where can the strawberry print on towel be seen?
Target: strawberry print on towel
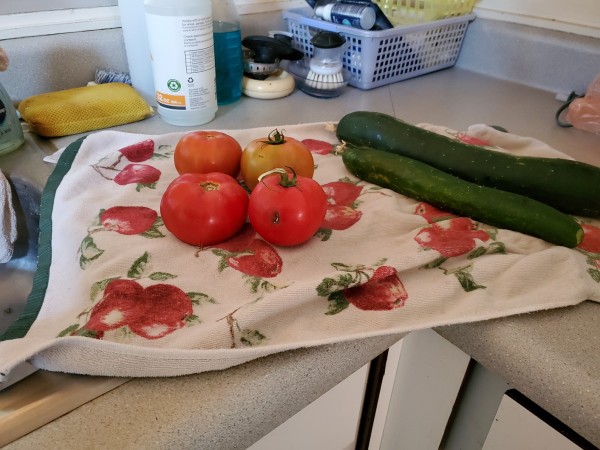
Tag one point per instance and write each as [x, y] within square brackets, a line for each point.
[125, 220]
[253, 257]
[452, 236]
[134, 172]
[590, 247]
[342, 207]
[375, 288]
[125, 306]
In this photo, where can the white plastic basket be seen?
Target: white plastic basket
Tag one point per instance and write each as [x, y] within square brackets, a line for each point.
[377, 58]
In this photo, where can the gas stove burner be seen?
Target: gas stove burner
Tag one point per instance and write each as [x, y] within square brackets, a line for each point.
[265, 53]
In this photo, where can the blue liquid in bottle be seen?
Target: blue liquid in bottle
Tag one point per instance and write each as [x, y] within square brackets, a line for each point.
[228, 61]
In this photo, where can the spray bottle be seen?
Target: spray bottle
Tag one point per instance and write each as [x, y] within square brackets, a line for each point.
[11, 133]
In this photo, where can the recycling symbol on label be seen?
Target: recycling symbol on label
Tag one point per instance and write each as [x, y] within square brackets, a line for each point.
[173, 85]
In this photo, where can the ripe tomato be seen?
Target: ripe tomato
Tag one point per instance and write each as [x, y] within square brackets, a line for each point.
[287, 211]
[208, 151]
[204, 209]
[276, 150]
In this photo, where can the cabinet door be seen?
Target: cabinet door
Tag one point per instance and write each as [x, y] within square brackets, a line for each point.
[330, 422]
[429, 376]
[515, 427]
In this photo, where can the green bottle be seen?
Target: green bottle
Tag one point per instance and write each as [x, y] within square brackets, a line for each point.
[11, 133]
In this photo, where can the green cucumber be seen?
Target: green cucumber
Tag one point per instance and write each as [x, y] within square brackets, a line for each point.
[570, 186]
[494, 207]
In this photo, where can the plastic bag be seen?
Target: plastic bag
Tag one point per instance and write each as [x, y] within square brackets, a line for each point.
[584, 112]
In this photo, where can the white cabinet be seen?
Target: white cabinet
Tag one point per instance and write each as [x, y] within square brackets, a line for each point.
[432, 396]
[515, 427]
[330, 422]
[428, 378]
[446, 400]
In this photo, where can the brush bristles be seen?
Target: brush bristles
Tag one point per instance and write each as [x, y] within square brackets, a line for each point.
[324, 82]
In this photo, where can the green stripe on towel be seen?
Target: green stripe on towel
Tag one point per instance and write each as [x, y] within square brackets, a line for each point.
[21, 326]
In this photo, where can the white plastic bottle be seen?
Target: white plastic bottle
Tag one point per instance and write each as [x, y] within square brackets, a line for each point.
[180, 37]
[133, 24]
[357, 15]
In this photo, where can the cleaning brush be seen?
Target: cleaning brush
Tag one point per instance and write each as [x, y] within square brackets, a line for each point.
[326, 65]
[324, 76]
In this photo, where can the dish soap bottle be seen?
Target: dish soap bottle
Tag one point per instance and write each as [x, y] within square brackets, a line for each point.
[228, 51]
[180, 37]
[11, 133]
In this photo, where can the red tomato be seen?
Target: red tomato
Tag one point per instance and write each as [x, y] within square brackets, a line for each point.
[287, 211]
[204, 209]
[276, 150]
[208, 151]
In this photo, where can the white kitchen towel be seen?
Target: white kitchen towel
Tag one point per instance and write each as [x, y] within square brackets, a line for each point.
[8, 220]
[54, 157]
[120, 296]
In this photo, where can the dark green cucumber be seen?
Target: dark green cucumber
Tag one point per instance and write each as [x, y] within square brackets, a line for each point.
[494, 207]
[572, 187]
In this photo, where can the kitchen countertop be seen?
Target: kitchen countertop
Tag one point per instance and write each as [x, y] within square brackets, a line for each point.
[550, 356]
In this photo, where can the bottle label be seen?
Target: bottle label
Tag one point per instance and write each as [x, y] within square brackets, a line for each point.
[353, 15]
[183, 61]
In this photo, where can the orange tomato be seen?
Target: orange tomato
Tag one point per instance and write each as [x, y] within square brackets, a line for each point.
[274, 151]
[206, 152]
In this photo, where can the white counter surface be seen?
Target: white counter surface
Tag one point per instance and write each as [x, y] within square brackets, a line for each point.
[552, 357]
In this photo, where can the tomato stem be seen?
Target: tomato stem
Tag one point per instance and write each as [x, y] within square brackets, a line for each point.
[210, 186]
[284, 177]
[276, 137]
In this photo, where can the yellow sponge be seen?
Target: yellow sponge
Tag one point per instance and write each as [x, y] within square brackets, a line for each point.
[82, 109]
